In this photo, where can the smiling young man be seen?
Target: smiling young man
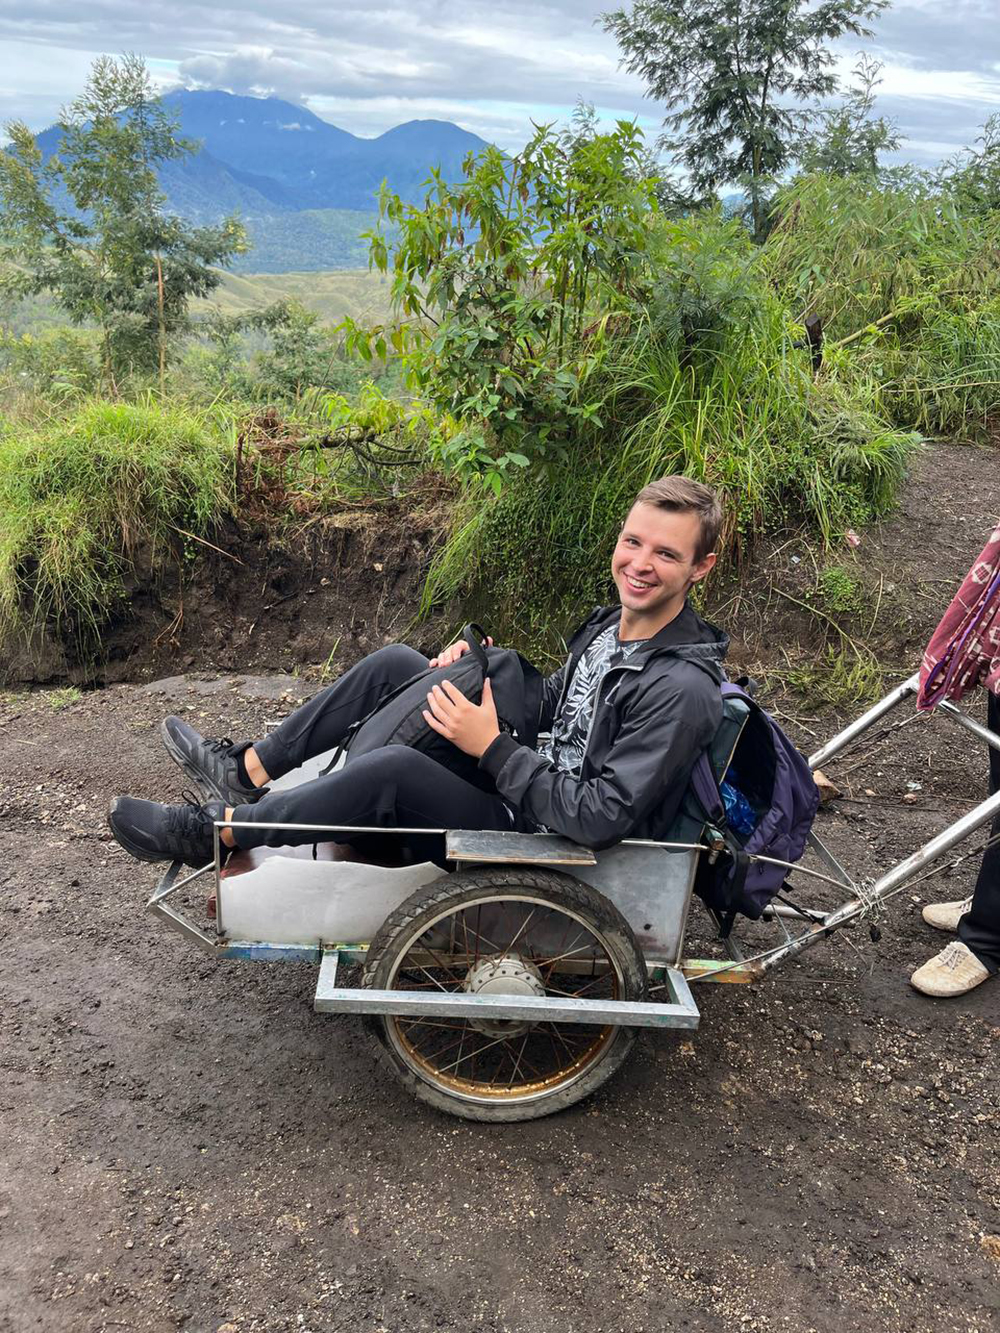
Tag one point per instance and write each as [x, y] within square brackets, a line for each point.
[628, 713]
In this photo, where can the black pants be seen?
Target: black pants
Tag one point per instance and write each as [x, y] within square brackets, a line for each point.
[394, 787]
[980, 927]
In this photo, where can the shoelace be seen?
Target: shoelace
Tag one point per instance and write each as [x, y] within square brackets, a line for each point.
[953, 955]
[180, 818]
[224, 745]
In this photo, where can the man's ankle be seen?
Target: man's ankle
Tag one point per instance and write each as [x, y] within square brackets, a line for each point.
[226, 835]
[256, 773]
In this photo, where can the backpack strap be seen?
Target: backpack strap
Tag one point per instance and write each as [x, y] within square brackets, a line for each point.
[475, 636]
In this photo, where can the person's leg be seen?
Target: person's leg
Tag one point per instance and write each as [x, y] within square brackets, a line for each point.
[323, 721]
[236, 773]
[394, 787]
[970, 960]
[979, 929]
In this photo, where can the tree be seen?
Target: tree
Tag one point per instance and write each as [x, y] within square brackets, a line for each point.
[507, 282]
[850, 137]
[973, 178]
[731, 72]
[87, 224]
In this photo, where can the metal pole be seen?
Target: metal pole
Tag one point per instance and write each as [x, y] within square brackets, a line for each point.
[991, 738]
[891, 880]
[866, 720]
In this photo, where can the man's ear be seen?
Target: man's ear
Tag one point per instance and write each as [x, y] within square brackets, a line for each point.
[703, 567]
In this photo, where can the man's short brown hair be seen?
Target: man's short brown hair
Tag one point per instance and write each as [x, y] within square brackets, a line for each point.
[681, 495]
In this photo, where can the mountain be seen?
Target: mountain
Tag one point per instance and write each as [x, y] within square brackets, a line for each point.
[297, 161]
[304, 188]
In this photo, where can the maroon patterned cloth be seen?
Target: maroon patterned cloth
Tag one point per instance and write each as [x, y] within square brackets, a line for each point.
[964, 650]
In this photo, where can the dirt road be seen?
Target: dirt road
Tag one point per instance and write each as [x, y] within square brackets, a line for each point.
[185, 1144]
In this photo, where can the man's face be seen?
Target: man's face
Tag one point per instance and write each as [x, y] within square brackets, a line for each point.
[653, 565]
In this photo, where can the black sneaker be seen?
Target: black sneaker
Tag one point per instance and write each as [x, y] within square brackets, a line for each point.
[213, 766]
[150, 831]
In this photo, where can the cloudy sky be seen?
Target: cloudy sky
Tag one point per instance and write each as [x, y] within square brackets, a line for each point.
[489, 65]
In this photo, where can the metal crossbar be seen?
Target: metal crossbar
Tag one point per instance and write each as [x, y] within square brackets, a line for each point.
[680, 1012]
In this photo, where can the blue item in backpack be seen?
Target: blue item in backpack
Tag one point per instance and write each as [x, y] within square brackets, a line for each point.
[740, 814]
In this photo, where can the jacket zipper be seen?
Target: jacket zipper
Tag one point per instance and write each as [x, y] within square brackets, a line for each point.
[622, 666]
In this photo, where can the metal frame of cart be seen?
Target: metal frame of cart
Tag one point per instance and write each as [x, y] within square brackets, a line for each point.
[648, 884]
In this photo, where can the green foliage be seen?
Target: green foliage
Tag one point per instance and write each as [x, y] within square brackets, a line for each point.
[83, 498]
[973, 179]
[705, 379]
[87, 226]
[310, 238]
[839, 590]
[59, 363]
[517, 271]
[294, 353]
[908, 288]
[734, 78]
[850, 138]
[842, 677]
[62, 698]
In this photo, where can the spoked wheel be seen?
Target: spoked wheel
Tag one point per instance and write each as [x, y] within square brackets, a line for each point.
[504, 931]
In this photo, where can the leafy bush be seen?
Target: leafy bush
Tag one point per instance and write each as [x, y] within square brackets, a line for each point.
[60, 363]
[705, 379]
[83, 497]
[276, 354]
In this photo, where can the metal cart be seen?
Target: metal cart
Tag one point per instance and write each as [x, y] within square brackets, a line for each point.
[513, 985]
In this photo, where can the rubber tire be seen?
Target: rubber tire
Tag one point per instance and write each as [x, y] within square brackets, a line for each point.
[467, 886]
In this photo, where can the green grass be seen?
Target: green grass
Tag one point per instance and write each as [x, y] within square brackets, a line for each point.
[839, 591]
[908, 289]
[62, 698]
[842, 677]
[85, 497]
[331, 294]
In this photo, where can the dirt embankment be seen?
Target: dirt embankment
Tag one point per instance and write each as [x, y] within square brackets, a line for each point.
[327, 593]
[184, 1144]
[341, 585]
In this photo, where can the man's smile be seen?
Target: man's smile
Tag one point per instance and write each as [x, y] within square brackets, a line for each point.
[637, 585]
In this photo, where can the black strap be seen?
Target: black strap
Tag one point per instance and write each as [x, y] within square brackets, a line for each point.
[534, 684]
[475, 636]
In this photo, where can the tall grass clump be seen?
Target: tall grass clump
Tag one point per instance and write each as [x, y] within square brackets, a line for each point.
[84, 497]
[907, 284]
[706, 377]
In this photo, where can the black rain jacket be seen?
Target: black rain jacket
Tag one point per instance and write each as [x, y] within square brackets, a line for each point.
[653, 716]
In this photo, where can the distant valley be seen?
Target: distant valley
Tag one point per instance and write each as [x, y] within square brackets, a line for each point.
[304, 188]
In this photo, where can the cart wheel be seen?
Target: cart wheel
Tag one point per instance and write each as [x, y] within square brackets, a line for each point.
[513, 931]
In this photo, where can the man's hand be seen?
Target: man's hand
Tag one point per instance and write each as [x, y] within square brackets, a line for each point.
[472, 727]
[452, 653]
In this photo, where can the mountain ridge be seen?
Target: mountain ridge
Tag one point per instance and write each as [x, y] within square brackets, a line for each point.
[303, 187]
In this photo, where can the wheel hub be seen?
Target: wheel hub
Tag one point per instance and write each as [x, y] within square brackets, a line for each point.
[504, 974]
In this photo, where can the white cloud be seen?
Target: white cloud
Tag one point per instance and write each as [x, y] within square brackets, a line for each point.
[489, 65]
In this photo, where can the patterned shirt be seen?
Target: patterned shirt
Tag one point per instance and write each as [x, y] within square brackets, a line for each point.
[567, 745]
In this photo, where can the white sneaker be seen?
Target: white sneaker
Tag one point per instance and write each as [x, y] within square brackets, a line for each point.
[946, 916]
[953, 971]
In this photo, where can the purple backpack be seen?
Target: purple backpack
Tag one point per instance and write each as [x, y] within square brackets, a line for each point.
[756, 789]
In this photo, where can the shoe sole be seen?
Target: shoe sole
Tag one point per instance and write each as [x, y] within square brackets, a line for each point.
[208, 789]
[940, 994]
